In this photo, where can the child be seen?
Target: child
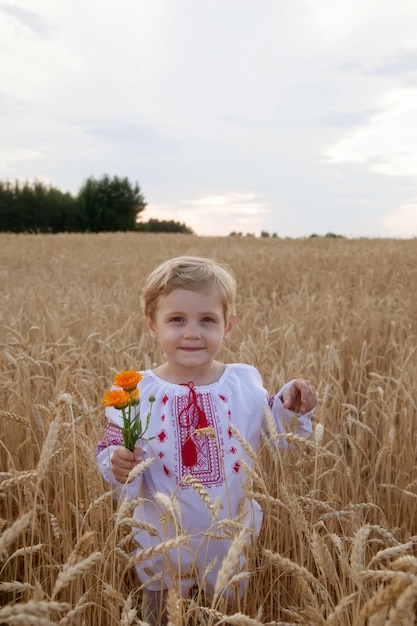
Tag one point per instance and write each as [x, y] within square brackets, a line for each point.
[202, 413]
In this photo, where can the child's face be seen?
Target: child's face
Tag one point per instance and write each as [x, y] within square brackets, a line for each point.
[190, 327]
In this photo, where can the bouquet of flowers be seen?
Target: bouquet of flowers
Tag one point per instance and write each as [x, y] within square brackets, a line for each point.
[126, 399]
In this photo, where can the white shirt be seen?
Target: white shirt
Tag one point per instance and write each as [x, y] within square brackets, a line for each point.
[236, 401]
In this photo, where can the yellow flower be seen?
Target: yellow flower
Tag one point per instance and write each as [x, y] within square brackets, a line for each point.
[127, 380]
[116, 398]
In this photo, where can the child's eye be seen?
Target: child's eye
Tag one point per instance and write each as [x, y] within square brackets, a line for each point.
[207, 319]
[176, 318]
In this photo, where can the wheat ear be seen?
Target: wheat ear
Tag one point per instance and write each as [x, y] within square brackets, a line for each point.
[385, 596]
[70, 572]
[173, 607]
[229, 563]
[10, 534]
[160, 548]
[404, 613]
[32, 612]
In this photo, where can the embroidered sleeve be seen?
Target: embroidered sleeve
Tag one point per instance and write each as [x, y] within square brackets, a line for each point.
[112, 437]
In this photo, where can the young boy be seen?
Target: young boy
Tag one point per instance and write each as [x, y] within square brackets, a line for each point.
[203, 413]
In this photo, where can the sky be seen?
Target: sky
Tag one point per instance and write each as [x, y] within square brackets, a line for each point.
[293, 117]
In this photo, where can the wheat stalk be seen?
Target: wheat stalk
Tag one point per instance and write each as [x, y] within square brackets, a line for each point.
[394, 551]
[64, 347]
[358, 549]
[160, 548]
[18, 479]
[32, 612]
[385, 596]
[27, 550]
[70, 572]
[229, 563]
[73, 615]
[322, 557]
[137, 524]
[345, 603]
[293, 568]
[173, 608]
[170, 505]
[404, 611]
[15, 585]
[213, 505]
[10, 534]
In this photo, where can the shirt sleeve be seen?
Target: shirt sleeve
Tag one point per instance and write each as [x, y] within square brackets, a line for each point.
[283, 417]
[107, 444]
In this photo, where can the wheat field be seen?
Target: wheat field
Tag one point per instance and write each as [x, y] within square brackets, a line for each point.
[338, 543]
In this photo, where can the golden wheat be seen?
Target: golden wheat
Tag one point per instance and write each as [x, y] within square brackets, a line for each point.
[340, 511]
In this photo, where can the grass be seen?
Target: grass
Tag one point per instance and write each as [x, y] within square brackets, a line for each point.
[338, 543]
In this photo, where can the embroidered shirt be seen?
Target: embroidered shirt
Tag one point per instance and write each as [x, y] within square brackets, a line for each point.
[227, 412]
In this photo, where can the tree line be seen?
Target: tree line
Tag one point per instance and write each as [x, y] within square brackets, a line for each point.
[105, 204]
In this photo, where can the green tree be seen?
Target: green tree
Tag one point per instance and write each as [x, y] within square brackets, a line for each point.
[165, 226]
[110, 204]
[64, 212]
[36, 207]
[9, 219]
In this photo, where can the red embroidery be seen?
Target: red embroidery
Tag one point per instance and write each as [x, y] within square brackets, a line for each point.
[222, 397]
[208, 467]
[191, 418]
[230, 432]
[163, 417]
[236, 467]
[162, 436]
[161, 454]
[165, 399]
[166, 470]
[233, 450]
[112, 437]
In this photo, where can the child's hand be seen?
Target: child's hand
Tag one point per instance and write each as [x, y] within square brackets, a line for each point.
[301, 397]
[123, 461]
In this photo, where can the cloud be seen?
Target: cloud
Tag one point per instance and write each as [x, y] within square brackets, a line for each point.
[24, 154]
[217, 214]
[133, 137]
[403, 63]
[402, 222]
[373, 28]
[387, 143]
[25, 18]
[223, 116]
[233, 202]
[346, 118]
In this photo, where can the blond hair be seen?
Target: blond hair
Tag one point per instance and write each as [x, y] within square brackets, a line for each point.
[194, 274]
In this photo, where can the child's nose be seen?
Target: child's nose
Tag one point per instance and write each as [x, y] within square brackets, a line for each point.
[192, 329]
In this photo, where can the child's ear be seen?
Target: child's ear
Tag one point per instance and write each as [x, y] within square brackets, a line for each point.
[151, 326]
[230, 325]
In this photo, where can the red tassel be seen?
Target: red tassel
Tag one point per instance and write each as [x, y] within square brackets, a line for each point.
[192, 413]
[189, 453]
[202, 419]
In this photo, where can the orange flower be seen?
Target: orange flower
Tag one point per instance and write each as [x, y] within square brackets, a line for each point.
[127, 380]
[125, 399]
[116, 398]
[134, 396]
